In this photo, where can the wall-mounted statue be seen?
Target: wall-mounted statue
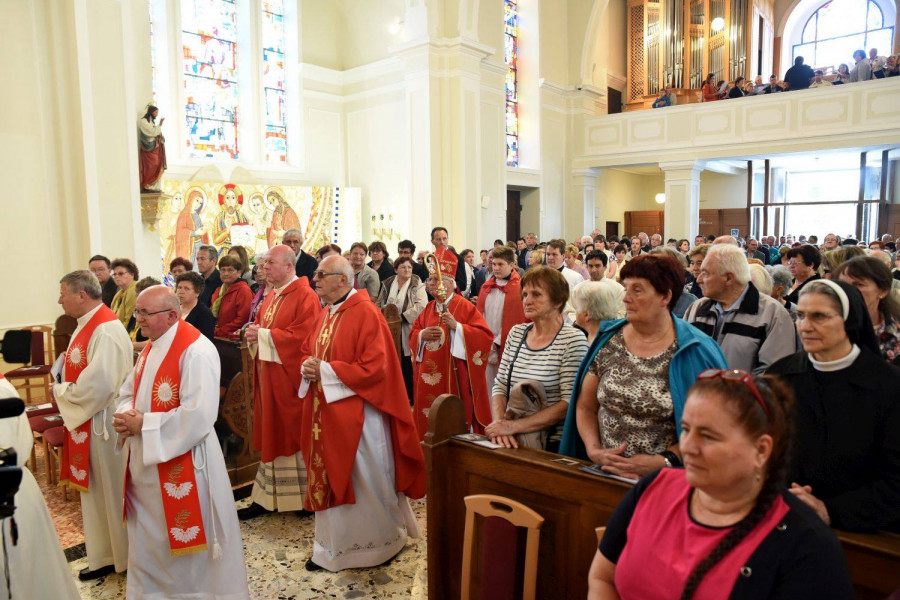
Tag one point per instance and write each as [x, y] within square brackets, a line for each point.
[152, 151]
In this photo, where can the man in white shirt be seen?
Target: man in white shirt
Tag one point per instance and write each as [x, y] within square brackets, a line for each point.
[554, 254]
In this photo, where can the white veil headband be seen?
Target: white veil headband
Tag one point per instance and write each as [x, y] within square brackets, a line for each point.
[841, 294]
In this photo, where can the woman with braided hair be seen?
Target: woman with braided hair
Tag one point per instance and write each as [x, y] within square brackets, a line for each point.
[724, 526]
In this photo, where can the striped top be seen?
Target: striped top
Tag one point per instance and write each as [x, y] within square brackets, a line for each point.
[555, 365]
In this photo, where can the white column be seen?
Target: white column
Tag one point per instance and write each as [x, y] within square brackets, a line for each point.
[583, 202]
[682, 212]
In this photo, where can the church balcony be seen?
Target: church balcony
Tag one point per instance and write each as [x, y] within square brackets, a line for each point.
[842, 116]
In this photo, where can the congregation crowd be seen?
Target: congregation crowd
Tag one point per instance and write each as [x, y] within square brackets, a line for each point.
[799, 76]
[745, 386]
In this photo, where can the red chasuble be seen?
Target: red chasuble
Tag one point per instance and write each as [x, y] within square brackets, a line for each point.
[177, 479]
[290, 317]
[75, 460]
[513, 312]
[435, 374]
[357, 343]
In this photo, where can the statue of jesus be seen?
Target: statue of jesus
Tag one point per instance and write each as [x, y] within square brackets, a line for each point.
[152, 152]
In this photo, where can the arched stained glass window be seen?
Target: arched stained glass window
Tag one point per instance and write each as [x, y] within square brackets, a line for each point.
[840, 27]
[209, 44]
[511, 50]
[273, 78]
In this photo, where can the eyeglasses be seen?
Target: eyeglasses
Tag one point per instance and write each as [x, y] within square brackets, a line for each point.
[119, 273]
[736, 375]
[323, 274]
[143, 314]
[817, 318]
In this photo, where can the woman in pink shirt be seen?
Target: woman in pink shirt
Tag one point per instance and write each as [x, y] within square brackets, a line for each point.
[724, 526]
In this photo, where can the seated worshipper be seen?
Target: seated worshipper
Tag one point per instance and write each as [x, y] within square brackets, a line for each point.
[98, 357]
[760, 278]
[596, 301]
[547, 351]
[781, 283]
[535, 258]
[625, 413]
[803, 261]
[500, 301]
[231, 302]
[240, 253]
[450, 343]
[407, 292]
[366, 277]
[125, 274]
[873, 280]
[597, 263]
[695, 260]
[819, 80]
[278, 334]
[179, 266]
[664, 99]
[727, 514]
[843, 75]
[753, 329]
[259, 279]
[37, 566]
[686, 298]
[380, 262]
[138, 341]
[847, 458]
[188, 287]
[571, 261]
[620, 252]
[358, 435]
[101, 268]
[710, 91]
[737, 90]
[184, 538]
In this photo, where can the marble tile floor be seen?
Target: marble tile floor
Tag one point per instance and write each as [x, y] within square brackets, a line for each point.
[277, 548]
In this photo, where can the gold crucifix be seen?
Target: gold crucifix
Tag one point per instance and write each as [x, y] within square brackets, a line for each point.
[316, 431]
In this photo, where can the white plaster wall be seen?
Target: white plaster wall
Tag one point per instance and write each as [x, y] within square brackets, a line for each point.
[619, 191]
[718, 190]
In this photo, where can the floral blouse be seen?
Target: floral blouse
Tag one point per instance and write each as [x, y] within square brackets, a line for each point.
[888, 334]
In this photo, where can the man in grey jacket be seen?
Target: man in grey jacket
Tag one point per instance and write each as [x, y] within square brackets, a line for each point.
[861, 71]
[753, 330]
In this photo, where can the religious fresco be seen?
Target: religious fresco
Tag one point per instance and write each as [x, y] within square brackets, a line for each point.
[253, 216]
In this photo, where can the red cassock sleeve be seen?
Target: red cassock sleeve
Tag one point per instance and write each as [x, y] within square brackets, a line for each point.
[364, 359]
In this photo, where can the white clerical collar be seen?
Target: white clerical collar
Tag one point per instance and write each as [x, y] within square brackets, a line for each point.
[83, 319]
[439, 307]
[836, 365]
[333, 308]
[278, 290]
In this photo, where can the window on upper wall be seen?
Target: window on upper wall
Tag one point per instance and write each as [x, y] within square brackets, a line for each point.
[511, 50]
[210, 77]
[840, 27]
[273, 78]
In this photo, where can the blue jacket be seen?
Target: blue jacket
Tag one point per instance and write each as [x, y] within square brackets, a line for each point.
[696, 352]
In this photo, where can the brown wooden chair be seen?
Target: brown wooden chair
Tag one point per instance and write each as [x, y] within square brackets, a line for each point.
[53, 441]
[395, 324]
[517, 514]
[62, 334]
[40, 363]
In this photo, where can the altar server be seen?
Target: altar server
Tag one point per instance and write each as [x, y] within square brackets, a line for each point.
[96, 362]
[182, 523]
[362, 452]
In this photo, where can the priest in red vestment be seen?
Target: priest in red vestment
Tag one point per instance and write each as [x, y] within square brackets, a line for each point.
[282, 324]
[362, 452]
[450, 343]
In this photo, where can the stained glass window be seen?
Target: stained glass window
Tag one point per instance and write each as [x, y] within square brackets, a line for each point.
[510, 51]
[209, 43]
[273, 78]
[840, 27]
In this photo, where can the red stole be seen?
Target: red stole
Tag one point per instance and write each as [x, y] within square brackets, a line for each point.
[75, 460]
[177, 480]
[513, 312]
[435, 375]
[319, 495]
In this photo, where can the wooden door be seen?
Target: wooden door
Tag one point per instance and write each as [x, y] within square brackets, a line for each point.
[648, 221]
[612, 229]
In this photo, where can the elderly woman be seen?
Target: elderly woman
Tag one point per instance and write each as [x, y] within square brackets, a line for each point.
[571, 261]
[240, 253]
[546, 351]
[231, 301]
[803, 261]
[188, 287]
[727, 514]
[380, 263]
[407, 292]
[847, 462]
[262, 287]
[781, 283]
[179, 266]
[625, 413]
[125, 275]
[596, 301]
[874, 281]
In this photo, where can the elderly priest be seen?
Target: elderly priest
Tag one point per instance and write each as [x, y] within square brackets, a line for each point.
[360, 445]
[185, 542]
[90, 372]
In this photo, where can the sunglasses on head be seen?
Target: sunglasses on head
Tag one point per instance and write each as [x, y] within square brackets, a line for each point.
[736, 375]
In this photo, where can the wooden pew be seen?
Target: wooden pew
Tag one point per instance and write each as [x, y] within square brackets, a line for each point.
[395, 323]
[572, 503]
[236, 409]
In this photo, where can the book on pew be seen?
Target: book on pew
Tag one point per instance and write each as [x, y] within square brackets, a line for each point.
[596, 470]
[478, 440]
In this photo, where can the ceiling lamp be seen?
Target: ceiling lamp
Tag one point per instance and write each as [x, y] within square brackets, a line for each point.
[718, 24]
